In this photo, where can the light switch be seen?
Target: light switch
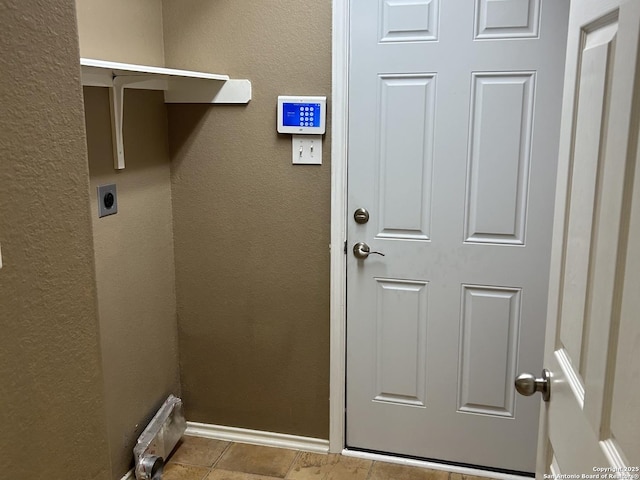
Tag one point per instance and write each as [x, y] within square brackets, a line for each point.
[307, 149]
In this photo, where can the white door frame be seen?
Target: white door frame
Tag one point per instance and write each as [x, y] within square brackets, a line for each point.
[339, 142]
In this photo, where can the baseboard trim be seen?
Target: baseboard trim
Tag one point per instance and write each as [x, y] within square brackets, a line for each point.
[378, 457]
[257, 437]
[130, 475]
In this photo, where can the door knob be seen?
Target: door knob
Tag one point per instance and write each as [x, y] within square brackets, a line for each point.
[527, 384]
[362, 251]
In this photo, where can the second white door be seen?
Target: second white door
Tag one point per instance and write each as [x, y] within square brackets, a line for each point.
[591, 426]
[453, 133]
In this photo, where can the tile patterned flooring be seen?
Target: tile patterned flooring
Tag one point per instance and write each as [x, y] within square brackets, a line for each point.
[198, 458]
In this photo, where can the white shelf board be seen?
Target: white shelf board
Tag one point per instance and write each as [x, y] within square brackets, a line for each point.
[116, 69]
[180, 86]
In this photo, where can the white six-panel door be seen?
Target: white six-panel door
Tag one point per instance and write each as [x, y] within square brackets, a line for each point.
[592, 422]
[454, 109]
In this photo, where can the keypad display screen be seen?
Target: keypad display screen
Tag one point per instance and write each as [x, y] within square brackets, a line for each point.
[301, 114]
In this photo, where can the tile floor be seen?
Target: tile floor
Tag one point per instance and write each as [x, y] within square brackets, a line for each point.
[198, 458]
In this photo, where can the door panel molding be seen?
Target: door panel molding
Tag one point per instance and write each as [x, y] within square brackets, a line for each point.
[496, 210]
[393, 383]
[408, 178]
[409, 21]
[502, 19]
[485, 376]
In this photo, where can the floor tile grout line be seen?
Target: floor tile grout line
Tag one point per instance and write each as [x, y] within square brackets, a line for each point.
[187, 464]
[206, 474]
[222, 454]
[295, 459]
[370, 469]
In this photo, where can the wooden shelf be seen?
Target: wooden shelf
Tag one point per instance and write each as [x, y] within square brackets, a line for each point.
[179, 86]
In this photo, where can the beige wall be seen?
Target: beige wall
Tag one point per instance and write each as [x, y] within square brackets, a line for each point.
[251, 230]
[52, 409]
[134, 248]
[134, 266]
[128, 31]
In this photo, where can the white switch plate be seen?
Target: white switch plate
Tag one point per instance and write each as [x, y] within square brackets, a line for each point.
[307, 149]
[0, 256]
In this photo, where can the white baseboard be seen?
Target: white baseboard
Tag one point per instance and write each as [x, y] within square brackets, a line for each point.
[130, 475]
[432, 465]
[257, 437]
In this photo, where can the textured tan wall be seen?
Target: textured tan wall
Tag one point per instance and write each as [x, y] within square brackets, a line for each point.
[52, 408]
[251, 230]
[134, 266]
[127, 31]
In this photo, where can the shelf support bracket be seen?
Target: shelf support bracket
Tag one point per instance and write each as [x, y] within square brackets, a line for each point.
[116, 101]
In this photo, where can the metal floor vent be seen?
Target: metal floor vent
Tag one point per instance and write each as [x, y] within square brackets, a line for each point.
[159, 439]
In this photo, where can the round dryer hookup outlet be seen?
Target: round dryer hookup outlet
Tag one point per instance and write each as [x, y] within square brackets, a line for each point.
[107, 200]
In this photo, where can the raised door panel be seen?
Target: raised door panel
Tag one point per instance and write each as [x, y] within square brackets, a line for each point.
[409, 20]
[506, 19]
[488, 350]
[401, 319]
[499, 157]
[405, 155]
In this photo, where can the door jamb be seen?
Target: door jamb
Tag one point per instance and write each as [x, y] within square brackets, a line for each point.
[338, 289]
